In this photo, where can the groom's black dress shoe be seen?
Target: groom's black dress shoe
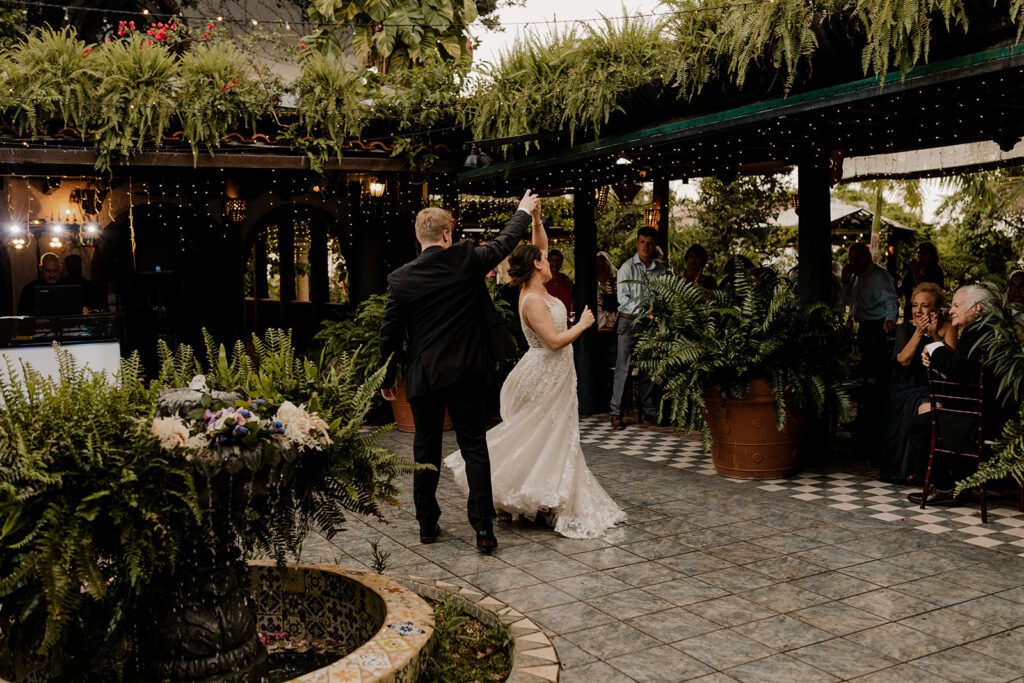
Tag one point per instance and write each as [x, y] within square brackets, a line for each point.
[428, 535]
[485, 541]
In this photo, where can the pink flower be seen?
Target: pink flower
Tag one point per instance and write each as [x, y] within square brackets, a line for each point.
[131, 25]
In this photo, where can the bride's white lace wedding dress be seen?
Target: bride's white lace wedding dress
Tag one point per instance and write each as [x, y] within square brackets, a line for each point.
[536, 460]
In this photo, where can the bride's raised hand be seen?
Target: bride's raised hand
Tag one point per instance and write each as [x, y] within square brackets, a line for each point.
[586, 318]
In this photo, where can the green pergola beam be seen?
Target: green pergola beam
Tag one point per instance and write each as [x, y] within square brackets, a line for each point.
[976, 64]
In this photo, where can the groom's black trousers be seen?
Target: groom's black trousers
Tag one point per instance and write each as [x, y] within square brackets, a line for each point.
[467, 402]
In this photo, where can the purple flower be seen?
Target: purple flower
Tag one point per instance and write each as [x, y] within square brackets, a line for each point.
[241, 431]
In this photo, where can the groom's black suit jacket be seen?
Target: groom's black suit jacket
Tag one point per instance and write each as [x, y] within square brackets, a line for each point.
[441, 304]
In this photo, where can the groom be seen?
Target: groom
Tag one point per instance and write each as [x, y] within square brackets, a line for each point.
[440, 302]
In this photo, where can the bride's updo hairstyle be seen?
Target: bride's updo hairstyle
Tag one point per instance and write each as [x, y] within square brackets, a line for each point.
[520, 263]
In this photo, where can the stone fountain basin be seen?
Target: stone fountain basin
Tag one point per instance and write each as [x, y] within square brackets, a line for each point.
[386, 626]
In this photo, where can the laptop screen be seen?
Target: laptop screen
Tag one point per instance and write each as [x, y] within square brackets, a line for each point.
[58, 300]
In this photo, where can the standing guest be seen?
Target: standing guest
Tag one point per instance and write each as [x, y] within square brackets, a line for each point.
[874, 306]
[695, 261]
[924, 268]
[908, 386]
[629, 281]
[49, 274]
[91, 298]
[559, 286]
[440, 303]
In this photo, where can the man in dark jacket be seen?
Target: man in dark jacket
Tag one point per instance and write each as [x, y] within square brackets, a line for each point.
[957, 432]
[440, 303]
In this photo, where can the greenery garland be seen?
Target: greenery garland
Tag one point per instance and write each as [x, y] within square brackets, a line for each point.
[126, 93]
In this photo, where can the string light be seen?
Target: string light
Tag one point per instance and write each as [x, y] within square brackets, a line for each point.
[282, 22]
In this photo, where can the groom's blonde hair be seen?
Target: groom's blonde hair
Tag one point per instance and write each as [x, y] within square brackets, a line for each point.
[430, 223]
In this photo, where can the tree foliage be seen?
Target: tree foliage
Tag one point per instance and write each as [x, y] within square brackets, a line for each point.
[983, 236]
[739, 218]
[396, 34]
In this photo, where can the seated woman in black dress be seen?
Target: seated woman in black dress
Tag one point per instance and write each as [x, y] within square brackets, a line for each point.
[908, 390]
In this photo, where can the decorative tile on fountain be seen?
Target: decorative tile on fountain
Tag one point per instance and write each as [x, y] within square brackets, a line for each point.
[384, 627]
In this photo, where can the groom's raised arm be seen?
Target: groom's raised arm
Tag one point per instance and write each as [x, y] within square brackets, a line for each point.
[490, 254]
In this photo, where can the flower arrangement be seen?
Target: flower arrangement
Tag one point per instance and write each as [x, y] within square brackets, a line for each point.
[218, 430]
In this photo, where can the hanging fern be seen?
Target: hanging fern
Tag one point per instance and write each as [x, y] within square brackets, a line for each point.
[135, 98]
[695, 53]
[774, 36]
[331, 107]
[899, 31]
[50, 79]
[522, 92]
[218, 94]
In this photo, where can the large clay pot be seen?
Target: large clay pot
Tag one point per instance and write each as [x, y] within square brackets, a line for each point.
[745, 442]
[403, 411]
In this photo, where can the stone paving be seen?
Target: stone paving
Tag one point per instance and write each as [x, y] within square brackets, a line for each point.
[714, 580]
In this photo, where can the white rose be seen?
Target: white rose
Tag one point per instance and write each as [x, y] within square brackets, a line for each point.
[171, 432]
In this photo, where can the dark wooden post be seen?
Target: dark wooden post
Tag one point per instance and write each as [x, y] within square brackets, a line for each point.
[661, 200]
[814, 248]
[591, 375]
[319, 286]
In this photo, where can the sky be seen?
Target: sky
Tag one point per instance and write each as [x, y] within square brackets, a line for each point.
[539, 16]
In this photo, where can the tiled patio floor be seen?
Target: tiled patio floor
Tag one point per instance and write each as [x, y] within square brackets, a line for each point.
[820, 577]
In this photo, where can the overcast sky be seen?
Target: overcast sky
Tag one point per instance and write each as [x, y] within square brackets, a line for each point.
[537, 15]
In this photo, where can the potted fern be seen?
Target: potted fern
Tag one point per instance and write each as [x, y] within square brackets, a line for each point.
[745, 367]
[359, 336]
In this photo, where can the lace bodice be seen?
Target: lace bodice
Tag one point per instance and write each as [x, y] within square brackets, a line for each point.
[558, 315]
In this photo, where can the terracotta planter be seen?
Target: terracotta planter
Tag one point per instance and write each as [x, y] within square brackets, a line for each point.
[403, 412]
[744, 440]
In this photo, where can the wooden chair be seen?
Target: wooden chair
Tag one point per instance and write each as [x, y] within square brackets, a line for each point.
[958, 398]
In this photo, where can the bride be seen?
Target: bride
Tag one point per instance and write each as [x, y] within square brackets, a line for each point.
[537, 465]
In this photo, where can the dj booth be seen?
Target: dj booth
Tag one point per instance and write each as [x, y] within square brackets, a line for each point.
[93, 340]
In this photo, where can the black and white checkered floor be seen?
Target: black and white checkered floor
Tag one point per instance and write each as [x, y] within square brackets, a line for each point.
[850, 492]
